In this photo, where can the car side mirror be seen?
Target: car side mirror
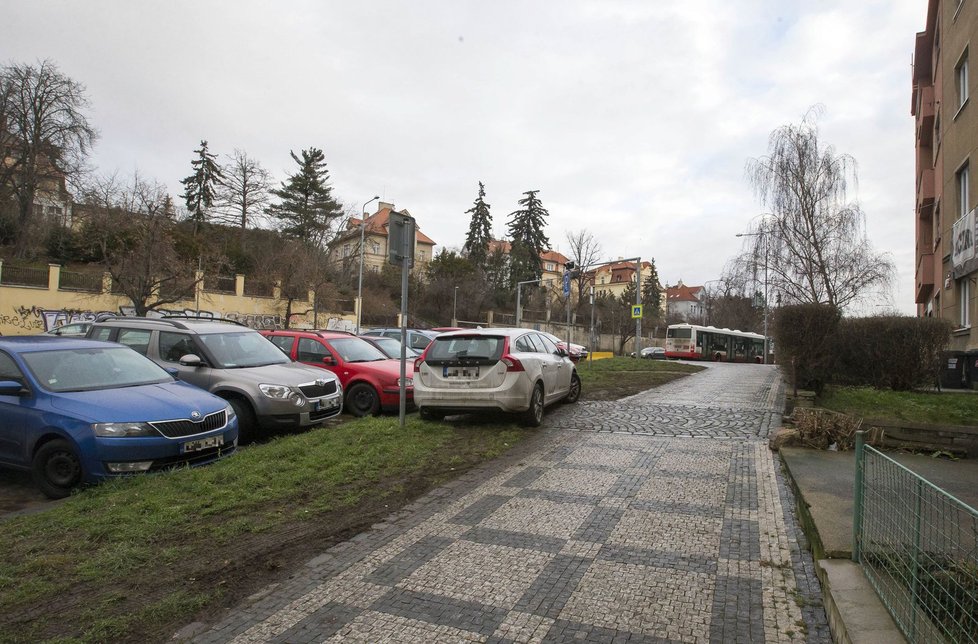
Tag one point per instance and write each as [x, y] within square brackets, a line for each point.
[562, 352]
[191, 360]
[11, 388]
[329, 360]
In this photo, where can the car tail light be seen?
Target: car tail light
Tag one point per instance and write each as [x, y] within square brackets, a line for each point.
[512, 364]
[420, 359]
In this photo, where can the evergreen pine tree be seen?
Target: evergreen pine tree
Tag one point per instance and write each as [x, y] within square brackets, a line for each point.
[651, 292]
[200, 187]
[306, 207]
[480, 230]
[528, 239]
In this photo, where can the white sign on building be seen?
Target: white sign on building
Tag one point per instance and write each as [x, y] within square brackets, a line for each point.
[963, 248]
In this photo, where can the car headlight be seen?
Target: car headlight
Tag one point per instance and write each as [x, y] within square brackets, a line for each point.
[281, 392]
[230, 413]
[408, 382]
[117, 430]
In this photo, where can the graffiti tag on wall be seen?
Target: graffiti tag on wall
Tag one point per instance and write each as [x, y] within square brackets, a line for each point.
[36, 319]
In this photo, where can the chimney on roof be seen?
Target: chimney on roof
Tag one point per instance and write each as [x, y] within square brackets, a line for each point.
[383, 204]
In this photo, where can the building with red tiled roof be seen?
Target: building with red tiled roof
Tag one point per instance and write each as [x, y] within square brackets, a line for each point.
[551, 261]
[346, 246]
[613, 279]
[684, 302]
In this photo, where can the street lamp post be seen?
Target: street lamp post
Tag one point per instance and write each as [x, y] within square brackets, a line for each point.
[363, 224]
[455, 308]
[763, 236]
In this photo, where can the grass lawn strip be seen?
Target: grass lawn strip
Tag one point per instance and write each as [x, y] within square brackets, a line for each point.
[135, 559]
[957, 408]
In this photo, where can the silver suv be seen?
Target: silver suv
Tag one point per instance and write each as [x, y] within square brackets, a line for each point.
[230, 360]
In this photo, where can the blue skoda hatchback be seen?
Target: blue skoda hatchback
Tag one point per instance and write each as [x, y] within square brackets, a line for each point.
[77, 411]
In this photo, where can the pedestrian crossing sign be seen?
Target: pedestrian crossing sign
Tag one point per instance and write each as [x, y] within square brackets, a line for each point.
[636, 311]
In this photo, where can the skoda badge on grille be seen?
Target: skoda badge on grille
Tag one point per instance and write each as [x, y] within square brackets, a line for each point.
[195, 414]
[321, 382]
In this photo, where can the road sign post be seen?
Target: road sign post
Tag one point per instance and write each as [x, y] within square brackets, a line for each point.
[400, 252]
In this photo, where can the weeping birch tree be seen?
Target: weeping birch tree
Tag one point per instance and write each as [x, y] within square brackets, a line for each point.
[811, 245]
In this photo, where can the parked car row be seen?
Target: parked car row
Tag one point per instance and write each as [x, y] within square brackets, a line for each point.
[178, 392]
[144, 394]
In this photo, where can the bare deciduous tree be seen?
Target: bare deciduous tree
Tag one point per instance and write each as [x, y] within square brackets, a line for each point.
[244, 195]
[131, 225]
[812, 242]
[584, 251]
[47, 133]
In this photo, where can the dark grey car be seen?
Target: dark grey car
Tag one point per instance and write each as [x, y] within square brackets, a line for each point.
[265, 388]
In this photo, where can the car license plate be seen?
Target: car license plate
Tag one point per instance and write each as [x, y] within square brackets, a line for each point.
[460, 372]
[325, 404]
[202, 443]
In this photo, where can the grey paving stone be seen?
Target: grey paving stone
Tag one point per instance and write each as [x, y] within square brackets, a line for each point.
[412, 558]
[525, 477]
[548, 594]
[492, 537]
[446, 611]
[480, 509]
[321, 625]
[740, 539]
[738, 611]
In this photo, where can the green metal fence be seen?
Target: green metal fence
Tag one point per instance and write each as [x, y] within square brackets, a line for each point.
[918, 545]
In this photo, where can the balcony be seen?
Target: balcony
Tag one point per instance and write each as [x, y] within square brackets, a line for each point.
[925, 115]
[924, 278]
[925, 190]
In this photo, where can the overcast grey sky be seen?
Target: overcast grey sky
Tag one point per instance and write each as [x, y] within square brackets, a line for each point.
[633, 119]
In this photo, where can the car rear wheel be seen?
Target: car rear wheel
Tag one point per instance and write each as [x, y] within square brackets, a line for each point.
[427, 413]
[247, 424]
[533, 417]
[56, 469]
[575, 389]
[362, 400]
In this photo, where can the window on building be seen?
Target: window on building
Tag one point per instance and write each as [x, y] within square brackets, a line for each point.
[346, 250]
[964, 302]
[961, 79]
[963, 194]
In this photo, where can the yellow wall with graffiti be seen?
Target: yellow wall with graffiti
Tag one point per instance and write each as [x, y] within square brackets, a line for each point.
[26, 310]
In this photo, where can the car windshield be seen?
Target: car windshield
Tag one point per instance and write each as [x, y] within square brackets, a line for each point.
[391, 347]
[92, 369]
[356, 350]
[466, 346]
[241, 350]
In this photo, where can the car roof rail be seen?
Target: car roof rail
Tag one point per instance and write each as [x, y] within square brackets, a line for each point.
[128, 319]
[200, 319]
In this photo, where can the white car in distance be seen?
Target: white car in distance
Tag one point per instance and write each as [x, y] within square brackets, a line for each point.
[511, 370]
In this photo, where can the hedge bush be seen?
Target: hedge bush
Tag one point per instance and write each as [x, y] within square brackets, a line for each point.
[816, 346]
[895, 352]
[804, 340]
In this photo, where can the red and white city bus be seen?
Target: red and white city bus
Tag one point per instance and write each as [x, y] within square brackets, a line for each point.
[695, 342]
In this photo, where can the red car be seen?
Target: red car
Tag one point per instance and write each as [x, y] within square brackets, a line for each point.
[369, 378]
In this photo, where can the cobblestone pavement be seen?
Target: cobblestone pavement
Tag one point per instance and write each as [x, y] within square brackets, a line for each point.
[624, 530]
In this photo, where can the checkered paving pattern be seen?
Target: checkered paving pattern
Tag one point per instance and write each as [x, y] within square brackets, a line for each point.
[592, 537]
